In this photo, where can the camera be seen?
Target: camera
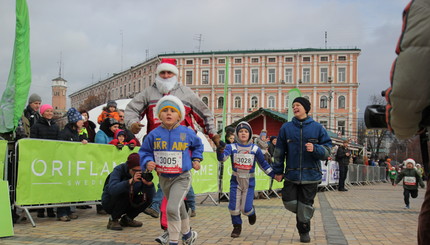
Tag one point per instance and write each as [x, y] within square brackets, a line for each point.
[374, 115]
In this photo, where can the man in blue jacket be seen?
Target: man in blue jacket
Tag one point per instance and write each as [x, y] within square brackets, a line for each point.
[127, 193]
[302, 144]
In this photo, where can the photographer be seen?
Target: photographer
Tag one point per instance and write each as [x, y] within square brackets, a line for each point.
[409, 96]
[127, 193]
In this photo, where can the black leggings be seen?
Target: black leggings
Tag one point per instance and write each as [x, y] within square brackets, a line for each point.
[406, 193]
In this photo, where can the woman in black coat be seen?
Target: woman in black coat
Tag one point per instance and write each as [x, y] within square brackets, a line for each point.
[45, 128]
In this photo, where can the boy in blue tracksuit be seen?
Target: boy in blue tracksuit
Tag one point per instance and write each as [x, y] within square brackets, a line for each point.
[243, 154]
[302, 144]
[172, 150]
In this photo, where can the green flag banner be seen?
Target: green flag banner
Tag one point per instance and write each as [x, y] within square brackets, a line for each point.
[292, 94]
[6, 226]
[15, 95]
[3, 157]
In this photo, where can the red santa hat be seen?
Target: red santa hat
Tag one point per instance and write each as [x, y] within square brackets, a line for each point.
[167, 64]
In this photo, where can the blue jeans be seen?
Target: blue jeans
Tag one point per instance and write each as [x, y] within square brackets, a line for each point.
[156, 201]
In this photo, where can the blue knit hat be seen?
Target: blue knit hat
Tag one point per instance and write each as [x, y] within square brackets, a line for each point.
[73, 115]
[170, 101]
[246, 126]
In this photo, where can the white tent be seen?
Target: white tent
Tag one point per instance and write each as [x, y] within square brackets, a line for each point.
[121, 104]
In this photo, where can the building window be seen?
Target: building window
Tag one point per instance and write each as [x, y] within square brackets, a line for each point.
[324, 123]
[271, 102]
[254, 60]
[220, 102]
[306, 75]
[288, 59]
[324, 58]
[341, 102]
[286, 101]
[341, 58]
[221, 61]
[238, 61]
[219, 125]
[254, 76]
[205, 100]
[341, 74]
[237, 102]
[324, 74]
[205, 77]
[272, 75]
[306, 59]
[189, 77]
[221, 76]
[323, 101]
[254, 102]
[341, 127]
[189, 62]
[272, 60]
[289, 75]
[237, 76]
[205, 62]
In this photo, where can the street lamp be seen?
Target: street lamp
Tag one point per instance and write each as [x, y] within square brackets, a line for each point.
[330, 97]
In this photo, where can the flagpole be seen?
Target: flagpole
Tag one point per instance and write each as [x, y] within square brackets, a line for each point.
[224, 107]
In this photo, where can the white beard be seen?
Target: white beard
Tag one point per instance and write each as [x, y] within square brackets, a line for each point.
[165, 85]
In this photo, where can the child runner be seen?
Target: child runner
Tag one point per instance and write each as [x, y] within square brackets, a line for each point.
[172, 150]
[243, 156]
[411, 179]
[392, 174]
[302, 143]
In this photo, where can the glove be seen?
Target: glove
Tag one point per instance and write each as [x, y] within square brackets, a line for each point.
[119, 146]
[131, 146]
[147, 176]
[221, 147]
[135, 128]
[216, 139]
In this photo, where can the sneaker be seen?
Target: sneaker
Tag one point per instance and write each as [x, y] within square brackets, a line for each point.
[151, 212]
[64, 218]
[126, 221]
[407, 207]
[193, 213]
[237, 229]
[190, 240]
[73, 216]
[252, 218]
[114, 225]
[163, 239]
[102, 212]
[304, 237]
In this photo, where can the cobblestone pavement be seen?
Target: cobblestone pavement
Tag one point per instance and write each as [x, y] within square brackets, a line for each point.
[370, 214]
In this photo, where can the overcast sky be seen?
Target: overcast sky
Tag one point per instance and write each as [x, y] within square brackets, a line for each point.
[99, 37]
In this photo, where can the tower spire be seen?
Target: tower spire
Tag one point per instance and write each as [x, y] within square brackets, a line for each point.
[59, 72]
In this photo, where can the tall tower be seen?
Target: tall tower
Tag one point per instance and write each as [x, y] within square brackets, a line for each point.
[59, 89]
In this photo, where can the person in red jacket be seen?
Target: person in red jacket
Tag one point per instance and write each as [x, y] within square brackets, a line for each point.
[119, 140]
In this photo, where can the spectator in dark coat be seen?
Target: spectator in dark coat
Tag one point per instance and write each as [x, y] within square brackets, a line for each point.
[342, 157]
[89, 125]
[45, 128]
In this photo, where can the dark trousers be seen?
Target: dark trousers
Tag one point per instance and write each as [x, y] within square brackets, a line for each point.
[424, 219]
[121, 204]
[412, 193]
[299, 198]
[343, 171]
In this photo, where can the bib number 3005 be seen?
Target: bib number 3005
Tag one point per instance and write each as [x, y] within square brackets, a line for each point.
[168, 162]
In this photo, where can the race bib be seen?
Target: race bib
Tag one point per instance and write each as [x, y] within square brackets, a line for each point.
[243, 161]
[168, 162]
[410, 180]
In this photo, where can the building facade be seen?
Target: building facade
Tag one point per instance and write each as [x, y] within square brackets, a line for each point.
[59, 98]
[258, 78]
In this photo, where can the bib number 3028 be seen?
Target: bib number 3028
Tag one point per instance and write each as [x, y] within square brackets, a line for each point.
[243, 161]
[168, 162]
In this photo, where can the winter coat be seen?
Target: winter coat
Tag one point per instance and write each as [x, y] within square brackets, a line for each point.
[411, 179]
[341, 156]
[408, 96]
[179, 139]
[107, 114]
[302, 167]
[91, 130]
[102, 138]
[45, 129]
[69, 133]
[143, 105]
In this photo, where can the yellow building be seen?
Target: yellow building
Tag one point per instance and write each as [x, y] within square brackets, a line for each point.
[256, 78]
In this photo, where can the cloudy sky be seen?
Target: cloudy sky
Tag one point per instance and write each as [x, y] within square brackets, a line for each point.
[99, 37]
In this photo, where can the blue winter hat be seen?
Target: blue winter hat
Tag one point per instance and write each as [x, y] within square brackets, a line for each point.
[73, 115]
[246, 126]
